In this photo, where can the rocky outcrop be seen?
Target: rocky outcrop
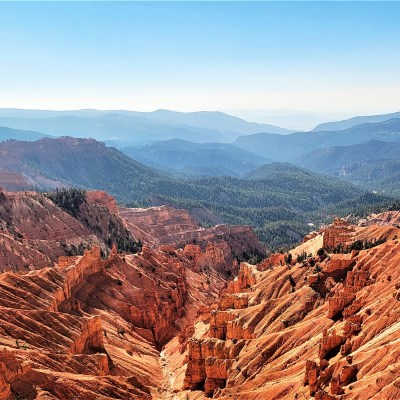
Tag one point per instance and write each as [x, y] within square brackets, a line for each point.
[245, 280]
[166, 225]
[387, 218]
[330, 345]
[310, 236]
[272, 260]
[35, 232]
[13, 181]
[343, 300]
[101, 198]
[75, 271]
[5, 389]
[217, 256]
[160, 225]
[339, 233]
[11, 369]
[218, 323]
[210, 360]
[91, 338]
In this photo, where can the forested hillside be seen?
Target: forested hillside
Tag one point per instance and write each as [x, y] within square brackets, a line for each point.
[279, 200]
[184, 158]
[374, 164]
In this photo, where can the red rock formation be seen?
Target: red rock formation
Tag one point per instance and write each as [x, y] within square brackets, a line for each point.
[93, 328]
[13, 181]
[339, 233]
[310, 236]
[387, 218]
[102, 198]
[209, 362]
[330, 343]
[36, 232]
[292, 332]
[272, 260]
[339, 262]
[91, 338]
[160, 225]
[167, 225]
[127, 306]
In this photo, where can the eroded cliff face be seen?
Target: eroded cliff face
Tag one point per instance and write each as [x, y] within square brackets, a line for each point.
[326, 327]
[101, 198]
[218, 246]
[35, 232]
[387, 218]
[184, 320]
[339, 233]
[93, 328]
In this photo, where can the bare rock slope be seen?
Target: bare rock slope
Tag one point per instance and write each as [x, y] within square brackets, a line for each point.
[181, 317]
[325, 327]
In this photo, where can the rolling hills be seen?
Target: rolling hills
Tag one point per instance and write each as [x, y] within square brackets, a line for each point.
[17, 134]
[348, 123]
[373, 164]
[187, 158]
[294, 147]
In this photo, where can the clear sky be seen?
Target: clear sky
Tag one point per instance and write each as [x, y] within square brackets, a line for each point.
[318, 56]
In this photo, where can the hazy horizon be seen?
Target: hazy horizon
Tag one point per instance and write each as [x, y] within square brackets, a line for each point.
[299, 120]
[187, 56]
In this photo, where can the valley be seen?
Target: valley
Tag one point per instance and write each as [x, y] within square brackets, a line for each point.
[278, 200]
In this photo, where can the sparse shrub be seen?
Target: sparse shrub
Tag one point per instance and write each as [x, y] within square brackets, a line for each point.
[121, 331]
[288, 258]
[321, 253]
[301, 257]
[291, 280]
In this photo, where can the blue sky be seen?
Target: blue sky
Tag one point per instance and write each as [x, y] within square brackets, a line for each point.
[320, 56]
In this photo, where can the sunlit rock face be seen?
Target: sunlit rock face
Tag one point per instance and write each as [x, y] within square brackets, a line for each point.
[186, 318]
[326, 327]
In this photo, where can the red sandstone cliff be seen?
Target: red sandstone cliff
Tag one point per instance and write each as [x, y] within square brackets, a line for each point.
[98, 318]
[99, 197]
[327, 328]
[166, 225]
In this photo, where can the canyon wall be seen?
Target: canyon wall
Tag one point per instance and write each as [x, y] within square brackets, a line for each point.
[325, 328]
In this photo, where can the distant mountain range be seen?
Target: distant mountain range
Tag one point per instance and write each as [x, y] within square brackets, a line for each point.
[349, 123]
[296, 146]
[366, 154]
[48, 163]
[131, 127]
[290, 119]
[185, 158]
[17, 134]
